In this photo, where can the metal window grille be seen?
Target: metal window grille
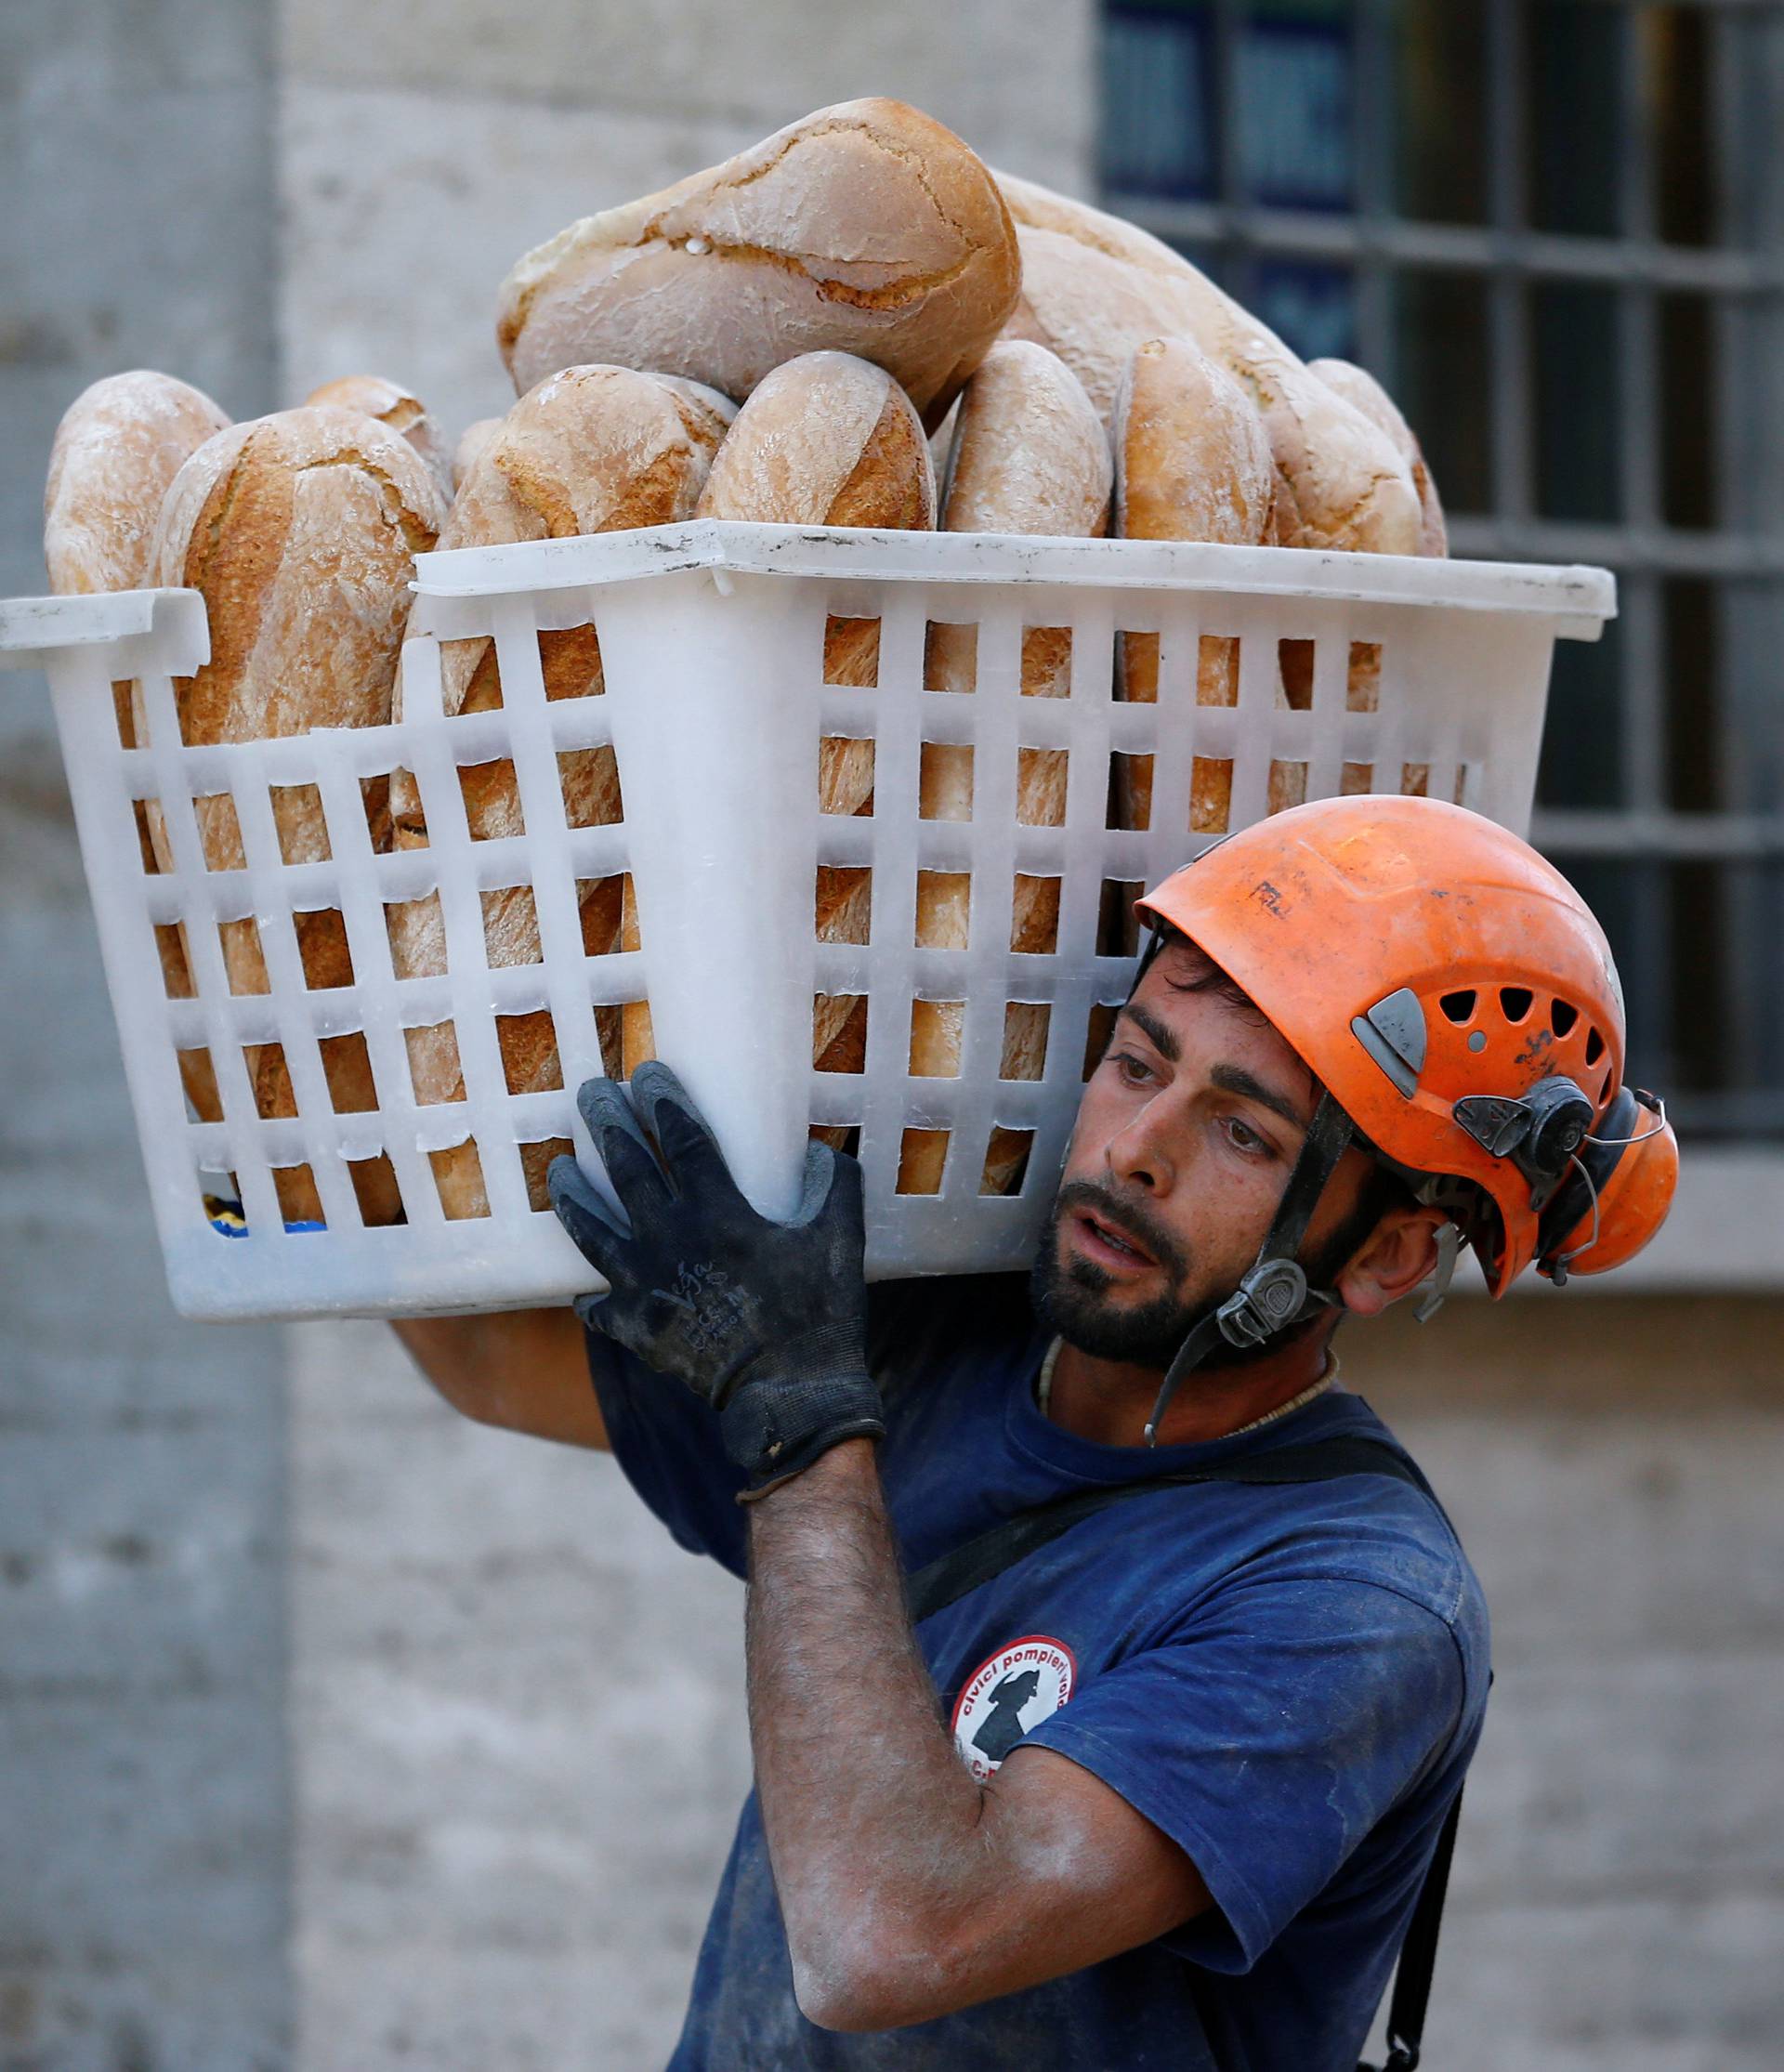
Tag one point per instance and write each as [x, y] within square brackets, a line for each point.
[1556, 229]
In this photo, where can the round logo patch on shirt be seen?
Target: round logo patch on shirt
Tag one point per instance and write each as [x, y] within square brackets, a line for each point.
[1007, 1694]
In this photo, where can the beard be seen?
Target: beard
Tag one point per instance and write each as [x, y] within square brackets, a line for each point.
[1071, 1297]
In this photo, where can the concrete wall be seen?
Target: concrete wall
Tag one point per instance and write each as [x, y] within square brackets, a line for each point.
[144, 1816]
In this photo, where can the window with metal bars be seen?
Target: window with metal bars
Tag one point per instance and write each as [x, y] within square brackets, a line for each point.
[1555, 230]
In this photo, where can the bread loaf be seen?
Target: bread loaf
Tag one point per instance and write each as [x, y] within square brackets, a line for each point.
[866, 227]
[589, 450]
[119, 445]
[1363, 392]
[300, 530]
[395, 408]
[1094, 287]
[1191, 463]
[471, 442]
[1030, 455]
[831, 440]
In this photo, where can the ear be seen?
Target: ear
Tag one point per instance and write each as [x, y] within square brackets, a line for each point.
[1396, 1256]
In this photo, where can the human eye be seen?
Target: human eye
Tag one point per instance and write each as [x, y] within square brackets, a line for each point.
[1246, 1139]
[1134, 1069]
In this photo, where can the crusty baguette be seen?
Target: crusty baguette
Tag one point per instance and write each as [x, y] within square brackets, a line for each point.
[471, 442]
[1193, 462]
[866, 227]
[300, 530]
[1362, 391]
[395, 407]
[831, 440]
[1094, 287]
[119, 445]
[588, 450]
[1030, 455]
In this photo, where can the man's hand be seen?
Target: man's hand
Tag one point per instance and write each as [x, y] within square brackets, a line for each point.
[765, 1320]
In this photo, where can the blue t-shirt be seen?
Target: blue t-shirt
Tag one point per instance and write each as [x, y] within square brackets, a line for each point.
[1287, 1680]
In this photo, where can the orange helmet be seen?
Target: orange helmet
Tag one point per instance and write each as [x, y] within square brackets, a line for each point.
[1457, 1000]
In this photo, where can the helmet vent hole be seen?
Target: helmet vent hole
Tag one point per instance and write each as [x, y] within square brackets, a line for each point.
[1458, 1007]
[1594, 1048]
[1563, 1014]
[1516, 1002]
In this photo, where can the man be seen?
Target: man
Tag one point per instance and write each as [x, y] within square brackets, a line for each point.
[1159, 1788]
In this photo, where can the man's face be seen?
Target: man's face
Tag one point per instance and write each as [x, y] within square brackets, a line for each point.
[1184, 1140]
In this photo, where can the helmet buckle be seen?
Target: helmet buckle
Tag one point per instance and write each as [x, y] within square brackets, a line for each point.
[1271, 1296]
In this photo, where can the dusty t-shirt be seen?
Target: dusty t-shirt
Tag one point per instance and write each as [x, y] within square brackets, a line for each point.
[1288, 1680]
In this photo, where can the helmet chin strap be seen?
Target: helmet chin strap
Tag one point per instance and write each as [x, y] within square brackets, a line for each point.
[1274, 1294]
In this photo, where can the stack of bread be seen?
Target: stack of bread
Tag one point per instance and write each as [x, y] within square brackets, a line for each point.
[776, 340]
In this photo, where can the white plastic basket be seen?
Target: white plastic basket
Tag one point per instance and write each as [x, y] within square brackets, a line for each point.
[712, 638]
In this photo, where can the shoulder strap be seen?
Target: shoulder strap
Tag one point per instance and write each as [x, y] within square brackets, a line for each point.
[1419, 1955]
[948, 1579]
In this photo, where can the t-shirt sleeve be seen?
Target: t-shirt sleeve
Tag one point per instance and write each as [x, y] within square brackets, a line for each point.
[1268, 1739]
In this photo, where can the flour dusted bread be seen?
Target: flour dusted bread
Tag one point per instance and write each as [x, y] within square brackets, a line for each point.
[300, 530]
[831, 440]
[1362, 391]
[588, 450]
[1094, 287]
[471, 442]
[1030, 455]
[395, 407]
[866, 227]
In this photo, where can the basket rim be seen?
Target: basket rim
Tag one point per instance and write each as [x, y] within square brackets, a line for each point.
[1580, 599]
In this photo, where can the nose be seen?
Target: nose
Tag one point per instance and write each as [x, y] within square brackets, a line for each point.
[1140, 1153]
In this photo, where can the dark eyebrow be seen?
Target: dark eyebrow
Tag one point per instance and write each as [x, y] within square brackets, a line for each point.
[1161, 1037]
[1235, 1079]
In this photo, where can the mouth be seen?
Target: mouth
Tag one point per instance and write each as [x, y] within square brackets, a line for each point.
[1110, 1246]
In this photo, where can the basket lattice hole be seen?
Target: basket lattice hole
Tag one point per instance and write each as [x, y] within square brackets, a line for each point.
[124, 710]
[535, 1162]
[145, 839]
[1034, 915]
[949, 656]
[1117, 926]
[1136, 668]
[1415, 779]
[243, 959]
[609, 1038]
[944, 909]
[402, 825]
[323, 949]
[1041, 776]
[511, 926]
[270, 1078]
[923, 1161]
[434, 1065]
[1006, 1161]
[1464, 783]
[300, 1206]
[376, 803]
[845, 902]
[469, 676]
[1217, 669]
[375, 1189]
[1363, 678]
[600, 908]
[852, 653]
[176, 969]
[297, 820]
[1097, 1032]
[492, 800]
[846, 775]
[845, 1138]
[198, 1076]
[1130, 791]
[1288, 786]
[945, 782]
[347, 1066]
[1046, 662]
[1355, 779]
[1295, 669]
[220, 1197]
[1025, 1038]
[570, 662]
[219, 832]
[1210, 794]
[529, 1047]
[839, 1032]
[458, 1180]
[935, 1038]
[589, 780]
[417, 932]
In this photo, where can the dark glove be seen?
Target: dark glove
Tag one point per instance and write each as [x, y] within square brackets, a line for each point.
[766, 1321]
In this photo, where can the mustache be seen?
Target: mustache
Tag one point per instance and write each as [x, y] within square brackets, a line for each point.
[1127, 1217]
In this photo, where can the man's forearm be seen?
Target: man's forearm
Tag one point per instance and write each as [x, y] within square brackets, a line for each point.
[870, 1818]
